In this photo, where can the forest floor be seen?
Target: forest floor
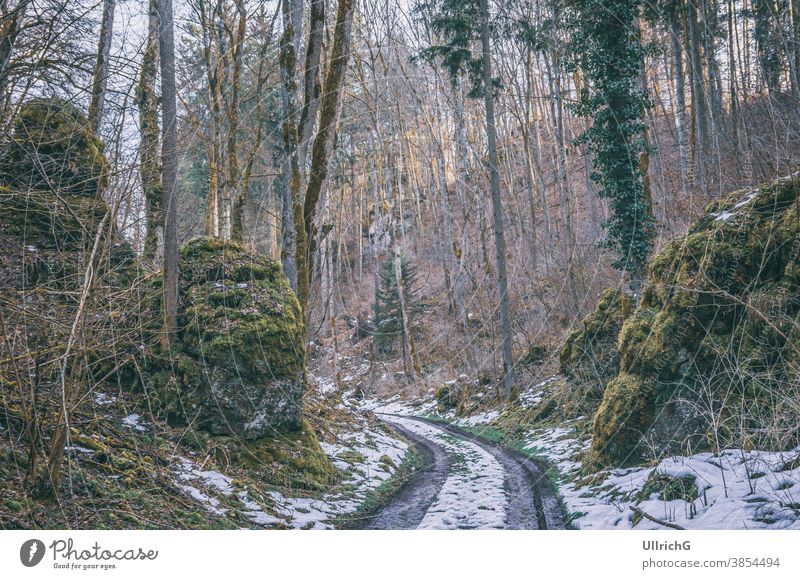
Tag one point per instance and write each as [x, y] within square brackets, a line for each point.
[398, 463]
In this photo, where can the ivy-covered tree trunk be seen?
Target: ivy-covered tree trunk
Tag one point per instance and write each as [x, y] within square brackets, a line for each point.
[608, 41]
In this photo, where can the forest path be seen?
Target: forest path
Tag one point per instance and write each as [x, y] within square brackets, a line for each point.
[467, 483]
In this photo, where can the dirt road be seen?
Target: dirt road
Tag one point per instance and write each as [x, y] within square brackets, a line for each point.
[467, 483]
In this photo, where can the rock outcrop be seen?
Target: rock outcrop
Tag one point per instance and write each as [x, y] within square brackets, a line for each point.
[709, 359]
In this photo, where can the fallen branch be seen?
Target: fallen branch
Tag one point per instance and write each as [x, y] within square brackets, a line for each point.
[641, 513]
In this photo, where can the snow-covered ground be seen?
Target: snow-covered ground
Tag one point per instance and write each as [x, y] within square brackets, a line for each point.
[736, 490]
[367, 459]
[374, 447]
[367, 455]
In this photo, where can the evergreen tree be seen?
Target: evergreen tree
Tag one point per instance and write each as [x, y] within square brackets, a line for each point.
[607, 47]
[388, 309]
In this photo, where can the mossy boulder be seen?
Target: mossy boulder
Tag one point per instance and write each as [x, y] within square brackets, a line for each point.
[669, 488]
[292, 460]
[589, 357]
[53, 147]
[242, 340]
[593, 343]
[710, 357]
[52, 175]
[448, 396]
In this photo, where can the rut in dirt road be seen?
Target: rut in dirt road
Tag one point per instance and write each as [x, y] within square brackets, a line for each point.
[467, 483]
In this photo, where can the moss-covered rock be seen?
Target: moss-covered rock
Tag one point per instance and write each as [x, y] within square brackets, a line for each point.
[52, 174]
[590, 351]
[241, 370]
[293, 460]
[589, 357]
[448, 396]
[53, 147]
[710, 356]
[669, 488]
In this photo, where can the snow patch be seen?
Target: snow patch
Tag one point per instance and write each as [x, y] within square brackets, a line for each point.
[736, 490]
[134, 421]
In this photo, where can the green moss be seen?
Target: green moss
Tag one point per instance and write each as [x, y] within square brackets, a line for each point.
[589, 357]
[626, 412]
[295, 460]
[238, 364]
[723, 296]
[669, 488]
[240, 310]
[447, 397]
[53, 147]
[351, 457]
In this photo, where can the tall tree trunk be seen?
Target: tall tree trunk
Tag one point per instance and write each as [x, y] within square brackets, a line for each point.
[408, 336]
[497, 208]
[311, 87]
[699, 108]
[680, 98]
[322, 150]
[212, 61]
[149, 161]
[291, 167]
[169, 156]
[100, 79]
[237, 192]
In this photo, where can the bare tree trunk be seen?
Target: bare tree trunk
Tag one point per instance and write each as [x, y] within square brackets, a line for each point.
[497, 208]
[100, 79]
[70, 367]
[330, 107]
[291, 168]
[169, 155]
[680, 96]
[212, 61]
[311, 77]
[699, 109]
[408, 335]
[238, 193]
